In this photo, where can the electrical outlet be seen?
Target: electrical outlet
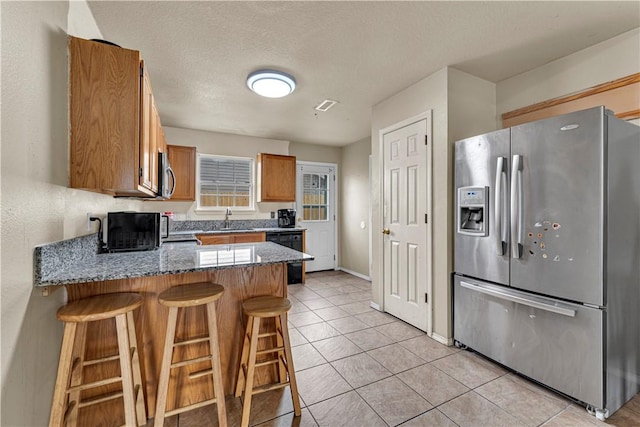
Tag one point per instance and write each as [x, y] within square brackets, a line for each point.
[273, 215]
[89, 221]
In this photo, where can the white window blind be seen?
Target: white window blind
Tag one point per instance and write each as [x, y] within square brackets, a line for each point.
[224, 182]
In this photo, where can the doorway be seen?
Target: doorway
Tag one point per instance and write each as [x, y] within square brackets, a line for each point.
[406, 233]
[316, 211]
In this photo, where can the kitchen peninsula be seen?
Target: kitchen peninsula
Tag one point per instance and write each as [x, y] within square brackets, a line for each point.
[245, 271]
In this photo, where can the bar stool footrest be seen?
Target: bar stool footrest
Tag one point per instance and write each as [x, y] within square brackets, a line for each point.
[268, 387]
[190, 407]
[94, 384]
[115, 357]
[198, 374]
[191, 341]
[191, 361]
[100, 399]
[269, 350]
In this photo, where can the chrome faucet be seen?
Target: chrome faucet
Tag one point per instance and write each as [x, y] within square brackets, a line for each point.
[226, 217]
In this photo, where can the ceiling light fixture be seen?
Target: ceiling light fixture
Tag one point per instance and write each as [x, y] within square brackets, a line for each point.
[271, 83]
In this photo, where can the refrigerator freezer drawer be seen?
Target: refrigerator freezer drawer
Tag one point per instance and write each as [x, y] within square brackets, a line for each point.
[556, 343]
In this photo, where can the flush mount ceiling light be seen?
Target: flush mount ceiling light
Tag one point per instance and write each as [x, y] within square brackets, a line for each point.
[271, 83]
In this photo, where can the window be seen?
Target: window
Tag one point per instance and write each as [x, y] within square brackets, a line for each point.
[315, 197]
[224, 182]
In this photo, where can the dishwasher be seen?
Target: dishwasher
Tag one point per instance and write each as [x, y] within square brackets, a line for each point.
[293, 240]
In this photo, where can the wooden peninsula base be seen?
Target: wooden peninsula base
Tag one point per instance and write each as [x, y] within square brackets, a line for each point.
[186, 385]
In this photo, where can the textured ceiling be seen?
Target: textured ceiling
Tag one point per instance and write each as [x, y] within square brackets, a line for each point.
[358, 53]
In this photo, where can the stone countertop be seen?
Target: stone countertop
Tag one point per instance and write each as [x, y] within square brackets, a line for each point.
[248, 230]
[170, 258]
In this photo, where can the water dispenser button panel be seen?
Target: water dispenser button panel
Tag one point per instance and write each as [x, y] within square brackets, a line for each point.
[472, 211]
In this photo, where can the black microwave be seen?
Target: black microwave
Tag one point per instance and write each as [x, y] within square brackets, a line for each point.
[134, 231]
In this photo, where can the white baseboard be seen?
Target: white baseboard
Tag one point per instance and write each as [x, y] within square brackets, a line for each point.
[375, 306]
[353, 273]
[441, 339]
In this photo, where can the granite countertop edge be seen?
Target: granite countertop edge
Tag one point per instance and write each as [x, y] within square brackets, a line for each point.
[52, 270]
[249, 230]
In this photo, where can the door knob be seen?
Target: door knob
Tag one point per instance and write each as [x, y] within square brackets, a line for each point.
[386, 231]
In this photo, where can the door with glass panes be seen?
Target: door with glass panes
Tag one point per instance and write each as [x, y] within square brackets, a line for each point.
[315, 206]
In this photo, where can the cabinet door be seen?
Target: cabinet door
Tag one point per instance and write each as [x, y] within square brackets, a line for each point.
[249, 237]
[276, 178]
[215, 239]
[147, 135]
[156, 144]
[104, 116]
[183, 163]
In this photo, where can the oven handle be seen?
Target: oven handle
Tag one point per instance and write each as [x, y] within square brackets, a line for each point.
[531, 301]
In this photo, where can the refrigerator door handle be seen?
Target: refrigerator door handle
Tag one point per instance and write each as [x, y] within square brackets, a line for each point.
[517, 208]
[530, 301]
[501, 243]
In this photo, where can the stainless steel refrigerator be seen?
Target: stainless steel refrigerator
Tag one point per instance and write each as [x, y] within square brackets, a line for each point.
[547, 253]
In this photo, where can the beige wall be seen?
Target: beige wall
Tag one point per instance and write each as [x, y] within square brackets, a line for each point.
[354, 207]
[223, 144]
[315, 153]
[461, 105]
[601, 63]
[37, 206]
[428, 94]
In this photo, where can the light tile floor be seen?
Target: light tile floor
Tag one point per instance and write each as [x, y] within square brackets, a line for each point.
[359, 367]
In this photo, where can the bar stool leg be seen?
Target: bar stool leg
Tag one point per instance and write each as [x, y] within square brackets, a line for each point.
[282, 371]
[248, 388]
[244, 358]
[138, 390]
[163, 383]
[292, 372]
[126, 370]
[77, 364]
[218, 387]
[64, 373]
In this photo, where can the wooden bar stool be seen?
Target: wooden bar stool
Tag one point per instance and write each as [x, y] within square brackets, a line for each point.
[256, 309]
[182, 297]
[69, 383]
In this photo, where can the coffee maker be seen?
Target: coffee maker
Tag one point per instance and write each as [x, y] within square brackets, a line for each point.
[286, 218]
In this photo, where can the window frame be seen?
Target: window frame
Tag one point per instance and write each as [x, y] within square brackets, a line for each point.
[252, 184]
[317, 193]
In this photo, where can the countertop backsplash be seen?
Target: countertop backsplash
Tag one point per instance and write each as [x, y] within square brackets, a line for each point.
[212, 225]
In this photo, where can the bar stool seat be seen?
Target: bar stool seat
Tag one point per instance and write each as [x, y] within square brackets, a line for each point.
[186, 296]
[69, 382]
[257, 309]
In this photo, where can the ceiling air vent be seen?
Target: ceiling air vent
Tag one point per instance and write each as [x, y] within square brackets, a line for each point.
[325, 105]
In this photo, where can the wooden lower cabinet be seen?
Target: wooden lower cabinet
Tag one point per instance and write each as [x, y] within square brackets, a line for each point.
[240, 283]
[224, 239]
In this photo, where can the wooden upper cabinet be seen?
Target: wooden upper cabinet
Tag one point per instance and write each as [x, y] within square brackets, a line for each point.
[276, 178]
[183, 163]
[114, 141]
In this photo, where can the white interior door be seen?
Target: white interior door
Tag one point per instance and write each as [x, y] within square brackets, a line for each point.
[315, 206]
[406, 255]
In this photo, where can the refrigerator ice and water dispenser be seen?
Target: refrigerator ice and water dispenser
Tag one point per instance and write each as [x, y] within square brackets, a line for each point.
[473, 205]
